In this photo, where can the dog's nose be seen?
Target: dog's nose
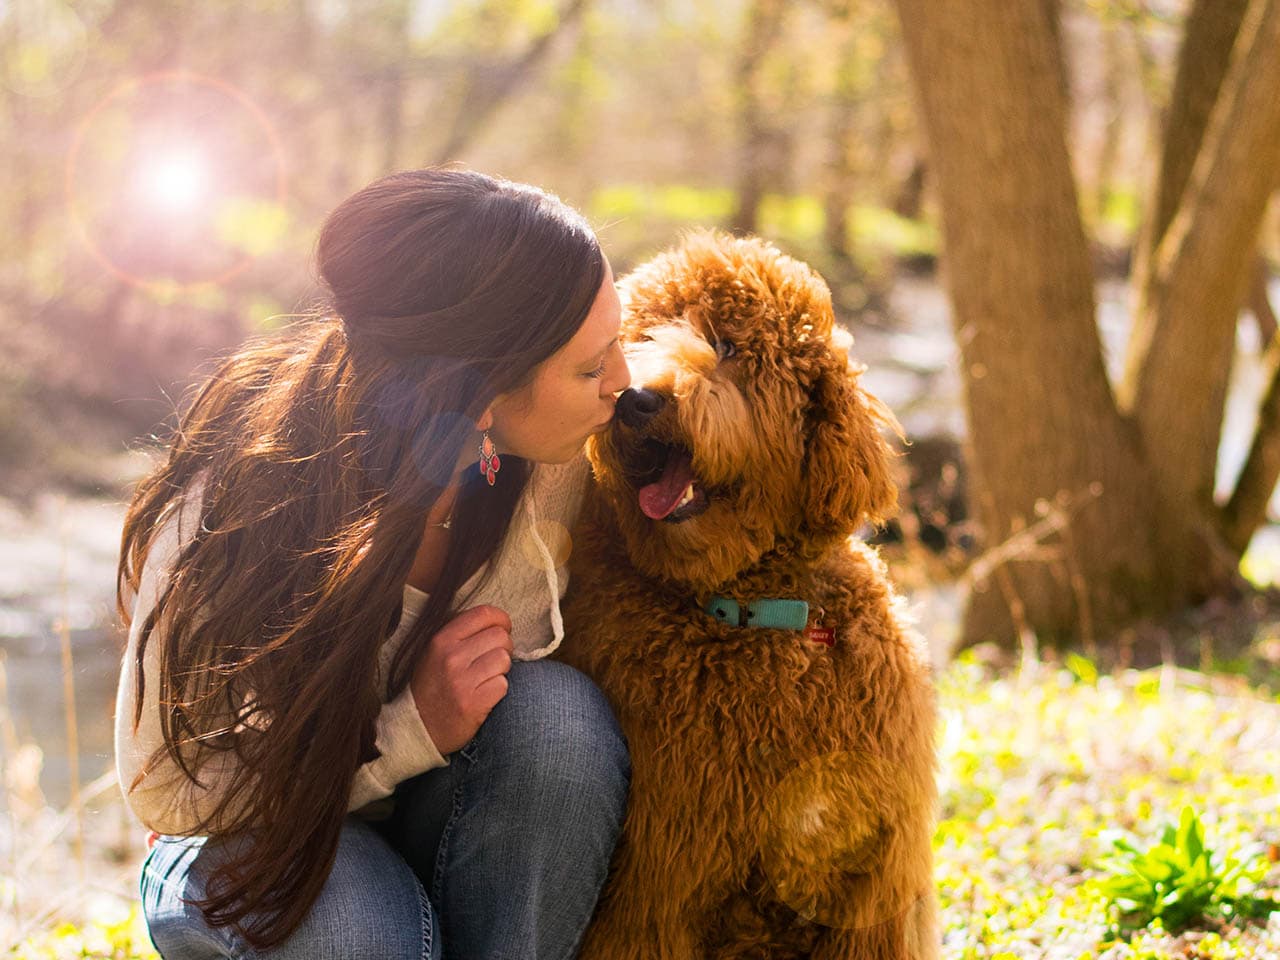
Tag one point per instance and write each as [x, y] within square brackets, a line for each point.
[638, 407]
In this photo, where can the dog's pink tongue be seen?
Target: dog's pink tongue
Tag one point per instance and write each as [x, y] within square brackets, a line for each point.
[659, 499]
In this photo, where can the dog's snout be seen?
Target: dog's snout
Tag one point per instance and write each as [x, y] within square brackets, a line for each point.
[638, 407]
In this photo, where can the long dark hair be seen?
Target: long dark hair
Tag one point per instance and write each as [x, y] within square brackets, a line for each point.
[323, 445]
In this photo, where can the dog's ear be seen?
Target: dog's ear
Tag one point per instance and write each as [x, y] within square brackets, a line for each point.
[847, 475]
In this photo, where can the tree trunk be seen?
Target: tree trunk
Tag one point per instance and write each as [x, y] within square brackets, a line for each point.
[762, 28]
[1147, 537]
[1183, 340]
[837, 197]
[908, 199]
[989, 81]
[1053, 16]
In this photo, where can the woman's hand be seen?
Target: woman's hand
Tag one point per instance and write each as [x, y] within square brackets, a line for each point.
[462, 675]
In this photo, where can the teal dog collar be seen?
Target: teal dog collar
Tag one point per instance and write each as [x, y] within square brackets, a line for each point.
[776, 613]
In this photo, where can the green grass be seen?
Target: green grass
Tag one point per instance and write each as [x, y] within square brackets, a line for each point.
[1043, 770]
[1040, 772]
[628, 216]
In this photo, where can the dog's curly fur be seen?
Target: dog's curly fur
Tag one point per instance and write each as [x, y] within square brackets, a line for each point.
[782, 798]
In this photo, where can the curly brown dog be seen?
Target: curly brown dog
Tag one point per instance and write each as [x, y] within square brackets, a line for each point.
[778, 706]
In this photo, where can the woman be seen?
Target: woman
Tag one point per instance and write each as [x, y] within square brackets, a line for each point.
[347, 575]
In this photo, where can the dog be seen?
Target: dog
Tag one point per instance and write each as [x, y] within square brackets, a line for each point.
[777, 705]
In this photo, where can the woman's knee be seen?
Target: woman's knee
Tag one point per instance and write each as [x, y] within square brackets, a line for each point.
[555, 720]
[170, 878]
[371, 906]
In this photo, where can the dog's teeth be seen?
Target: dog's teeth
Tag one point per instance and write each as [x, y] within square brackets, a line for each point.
[686, 497]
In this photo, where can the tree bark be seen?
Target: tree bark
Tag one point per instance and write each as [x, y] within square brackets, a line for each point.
[1017, 263]
[1183, 340]
[1053, 15]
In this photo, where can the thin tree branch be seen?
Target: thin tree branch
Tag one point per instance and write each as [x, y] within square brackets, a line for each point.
[491, 85]
[1246, 510]
[1210, 33]
[1260, 301]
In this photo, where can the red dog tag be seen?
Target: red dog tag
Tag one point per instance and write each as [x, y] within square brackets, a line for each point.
[824, 635]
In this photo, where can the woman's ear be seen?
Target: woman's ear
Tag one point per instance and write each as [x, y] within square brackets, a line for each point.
[847, 476]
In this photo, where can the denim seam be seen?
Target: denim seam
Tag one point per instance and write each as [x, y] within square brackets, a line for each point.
[144, 885]
[142, 874]
[437, 881]
[426, 918]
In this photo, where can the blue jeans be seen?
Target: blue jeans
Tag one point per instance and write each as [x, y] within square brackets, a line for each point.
[502, 854]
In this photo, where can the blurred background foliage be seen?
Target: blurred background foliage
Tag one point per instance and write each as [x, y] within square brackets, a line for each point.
[168, 164]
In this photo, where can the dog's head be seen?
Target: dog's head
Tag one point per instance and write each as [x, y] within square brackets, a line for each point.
[744, 426]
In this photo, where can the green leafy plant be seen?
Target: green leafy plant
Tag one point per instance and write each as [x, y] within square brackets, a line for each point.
[1182, 882]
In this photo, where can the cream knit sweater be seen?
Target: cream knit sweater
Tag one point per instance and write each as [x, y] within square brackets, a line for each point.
[530, 578]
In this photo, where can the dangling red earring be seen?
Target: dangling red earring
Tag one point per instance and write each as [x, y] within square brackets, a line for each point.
[489, 462]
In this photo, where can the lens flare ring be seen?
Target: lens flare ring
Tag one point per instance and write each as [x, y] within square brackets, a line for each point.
[824, 844]
[131, 88]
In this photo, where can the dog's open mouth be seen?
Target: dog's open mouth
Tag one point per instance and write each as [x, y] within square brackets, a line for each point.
[674, 495]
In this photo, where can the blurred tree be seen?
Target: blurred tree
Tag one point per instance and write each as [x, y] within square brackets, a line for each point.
[762, 28]
[1113, 116]
[861, 134]
[1101, 503]
[489, 82]
[837, 197]
[392, 106]
[1260, 301]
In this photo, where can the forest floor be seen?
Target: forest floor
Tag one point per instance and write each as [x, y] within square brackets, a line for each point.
[1043, 766]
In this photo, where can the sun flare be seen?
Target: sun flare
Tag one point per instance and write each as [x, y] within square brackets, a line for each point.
[176, 182]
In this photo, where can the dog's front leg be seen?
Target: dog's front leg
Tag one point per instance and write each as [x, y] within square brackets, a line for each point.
[908, 936]
[640, 916]
[658, 877]
[846, 842]
[882, 906]
[623, 928]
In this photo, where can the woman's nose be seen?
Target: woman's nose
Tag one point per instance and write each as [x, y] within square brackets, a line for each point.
[638, 407]
[626, 376]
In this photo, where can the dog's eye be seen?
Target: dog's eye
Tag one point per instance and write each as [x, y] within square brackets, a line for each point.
[725, 349]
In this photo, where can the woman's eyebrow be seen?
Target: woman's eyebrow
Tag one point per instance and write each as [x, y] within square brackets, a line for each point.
[600, 353]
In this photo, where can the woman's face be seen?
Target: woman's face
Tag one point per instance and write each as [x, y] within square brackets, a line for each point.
[573, 392]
